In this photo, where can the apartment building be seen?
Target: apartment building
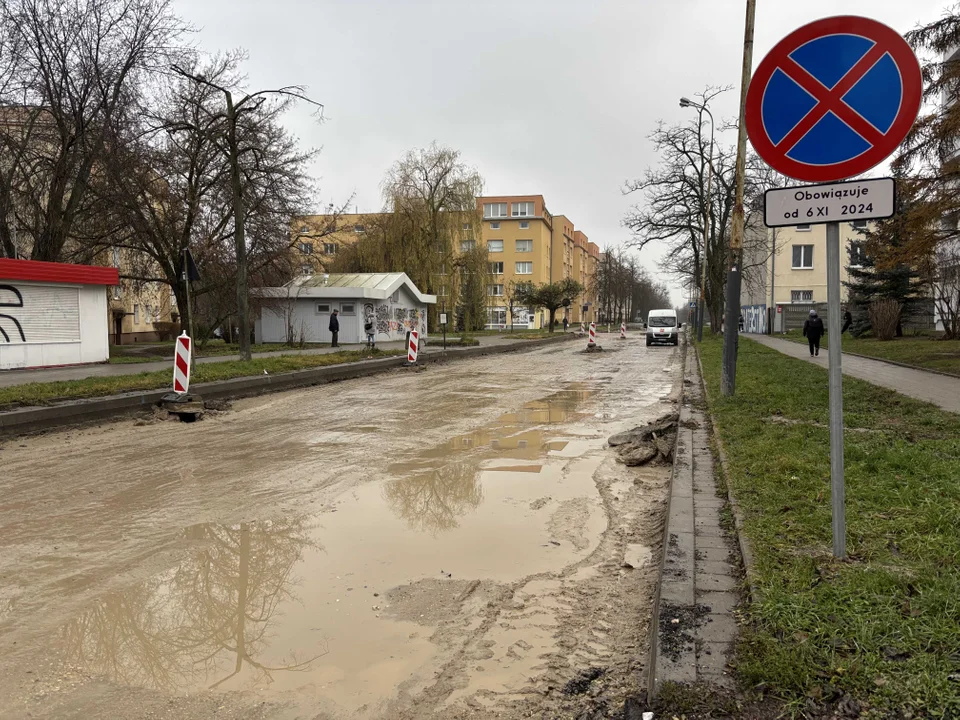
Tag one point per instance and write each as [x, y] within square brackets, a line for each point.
[527, 244]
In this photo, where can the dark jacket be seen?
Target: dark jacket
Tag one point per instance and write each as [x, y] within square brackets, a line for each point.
[334, 324]
[813, 328]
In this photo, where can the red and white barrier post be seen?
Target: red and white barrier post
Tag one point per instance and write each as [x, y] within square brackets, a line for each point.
[623, 331]
[582, 330]
[592, 339]
[181, 364]
[414, 347]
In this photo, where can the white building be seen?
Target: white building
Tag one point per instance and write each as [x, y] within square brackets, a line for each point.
[301, 309]
[53, 314]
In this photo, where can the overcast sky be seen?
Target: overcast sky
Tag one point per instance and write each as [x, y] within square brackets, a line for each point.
[554, 97]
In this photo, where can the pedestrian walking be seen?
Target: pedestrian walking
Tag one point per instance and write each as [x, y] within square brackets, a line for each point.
[847, 321]
[813, 331]
[371, 335]
[334, 328]
[565, 323]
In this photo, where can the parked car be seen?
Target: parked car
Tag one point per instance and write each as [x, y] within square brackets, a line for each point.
[662, 327]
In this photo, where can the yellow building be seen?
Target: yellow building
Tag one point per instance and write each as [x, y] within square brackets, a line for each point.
[315, 240]
[525, 244]
[139, 312]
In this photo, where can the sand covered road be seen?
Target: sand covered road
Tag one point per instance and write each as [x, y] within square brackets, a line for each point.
[455, 542]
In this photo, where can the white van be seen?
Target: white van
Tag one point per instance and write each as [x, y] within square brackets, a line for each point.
[662, 327]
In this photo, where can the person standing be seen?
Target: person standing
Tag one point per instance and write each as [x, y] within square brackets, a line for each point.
[334, 328]
[847, 321]
[813, 331]
[371, 333]
[566, 323]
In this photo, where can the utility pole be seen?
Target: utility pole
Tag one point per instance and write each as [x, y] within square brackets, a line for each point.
[731, 334]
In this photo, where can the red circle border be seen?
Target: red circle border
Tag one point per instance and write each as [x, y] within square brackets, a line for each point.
[912, 95]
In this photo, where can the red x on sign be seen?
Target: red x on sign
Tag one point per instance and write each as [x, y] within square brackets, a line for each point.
[833, 99]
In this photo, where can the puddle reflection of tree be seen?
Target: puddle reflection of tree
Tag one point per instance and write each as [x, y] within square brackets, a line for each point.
[200, 623]
[443, 483]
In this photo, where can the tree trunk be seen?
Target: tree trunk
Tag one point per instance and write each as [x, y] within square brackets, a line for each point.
[240, 240]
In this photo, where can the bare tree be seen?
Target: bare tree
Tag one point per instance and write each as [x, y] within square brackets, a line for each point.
[73, 71]
[946, 287]
[675, 204]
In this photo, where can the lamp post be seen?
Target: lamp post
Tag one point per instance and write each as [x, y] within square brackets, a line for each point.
[702, 108]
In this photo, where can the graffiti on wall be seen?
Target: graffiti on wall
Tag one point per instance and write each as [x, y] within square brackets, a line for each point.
[18, 303]
[383, 319]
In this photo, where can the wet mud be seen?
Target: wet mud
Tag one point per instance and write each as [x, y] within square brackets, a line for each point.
[454, 543]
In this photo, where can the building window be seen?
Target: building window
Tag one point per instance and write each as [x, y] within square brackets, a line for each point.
[323, 308]
[116, 257]
[524, 246]
[443, 268]
[329, 248]
[802, 257]
[494, 245]
[304, 230]
[468, 245]
[803, 228]
[443, 291]
[494, 226]
[801, 296]
[136, 314]
[359, 229]
[306, 270]
[859, 224]
[306, 248]
[523, 209]
[348, 309]
[858, 254]
[495, 210]
[467, 226]
[524, 268]
[524, 224]
[116, 292]
[495, 290]
[496, 268]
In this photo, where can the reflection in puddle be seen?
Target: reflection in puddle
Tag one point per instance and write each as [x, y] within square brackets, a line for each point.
[203, 622]
[443, 482]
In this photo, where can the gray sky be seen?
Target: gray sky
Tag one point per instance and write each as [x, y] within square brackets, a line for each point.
[542, 96]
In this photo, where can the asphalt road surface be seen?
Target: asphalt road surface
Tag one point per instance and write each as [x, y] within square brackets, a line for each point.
[449, 542]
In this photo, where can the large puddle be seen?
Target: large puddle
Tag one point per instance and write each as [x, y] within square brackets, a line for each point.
[305, 602]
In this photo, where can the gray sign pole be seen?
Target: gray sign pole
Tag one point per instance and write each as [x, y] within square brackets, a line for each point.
[836, 390]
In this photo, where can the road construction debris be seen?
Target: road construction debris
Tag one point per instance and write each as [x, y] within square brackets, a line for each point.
[650, 443]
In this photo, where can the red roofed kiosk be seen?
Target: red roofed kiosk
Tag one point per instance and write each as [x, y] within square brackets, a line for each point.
[53, 314]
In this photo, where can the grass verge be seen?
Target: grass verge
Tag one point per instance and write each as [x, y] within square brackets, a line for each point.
[45, 393]
[881, 629]
[922, 351]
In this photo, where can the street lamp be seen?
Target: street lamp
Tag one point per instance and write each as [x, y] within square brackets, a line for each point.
[702, 108]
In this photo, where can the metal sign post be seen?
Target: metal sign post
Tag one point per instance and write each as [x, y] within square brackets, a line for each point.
[835, 381]
[830, 101]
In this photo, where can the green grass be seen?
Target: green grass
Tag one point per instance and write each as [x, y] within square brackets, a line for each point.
[883, 626]
[923, 351]
[150, 352]
[45, 393]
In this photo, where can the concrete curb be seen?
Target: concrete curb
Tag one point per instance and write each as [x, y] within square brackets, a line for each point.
[653, 651]
[29, 419]
[746, 550]
[884, 360]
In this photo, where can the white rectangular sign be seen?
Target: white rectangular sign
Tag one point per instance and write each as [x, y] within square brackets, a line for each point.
[835, 202]
[443, 318]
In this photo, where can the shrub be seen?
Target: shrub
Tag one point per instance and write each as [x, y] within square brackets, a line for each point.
[884, 318]
[166, 330]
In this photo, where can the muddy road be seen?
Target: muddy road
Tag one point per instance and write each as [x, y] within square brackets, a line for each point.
[450, 542]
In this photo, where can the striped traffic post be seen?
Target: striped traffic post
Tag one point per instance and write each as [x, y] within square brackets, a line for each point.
[181, 364]
[623, 331]
[582, 330]
[592, 340]
[414, 347]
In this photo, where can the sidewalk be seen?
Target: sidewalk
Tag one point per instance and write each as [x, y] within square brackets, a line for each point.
[9, 378]
[939, 390]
